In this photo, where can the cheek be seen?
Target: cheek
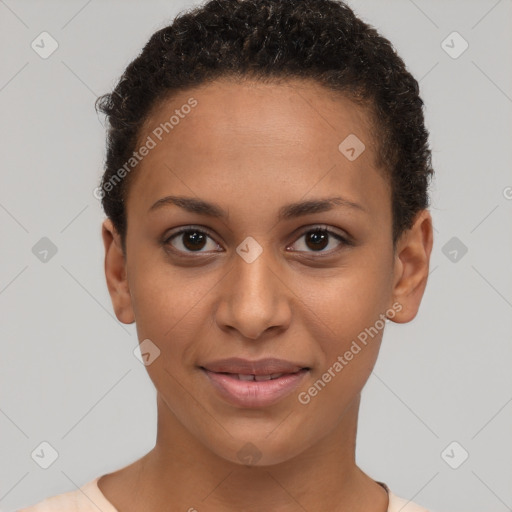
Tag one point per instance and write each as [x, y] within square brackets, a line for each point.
[173, 310]
[347, 326]
[351, 298]
[163, 295]
[348, 340]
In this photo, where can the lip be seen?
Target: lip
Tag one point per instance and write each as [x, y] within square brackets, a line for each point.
[267, 366]
[223, 375]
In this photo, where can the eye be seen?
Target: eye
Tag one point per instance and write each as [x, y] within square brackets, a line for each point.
[319, 238]
[190, 239]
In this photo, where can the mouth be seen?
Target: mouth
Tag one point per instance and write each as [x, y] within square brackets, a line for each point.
[251, 377]
[252, 384]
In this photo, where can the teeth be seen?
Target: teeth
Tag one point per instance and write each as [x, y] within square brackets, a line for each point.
[245, 377]
[262, 377]
[259, 377]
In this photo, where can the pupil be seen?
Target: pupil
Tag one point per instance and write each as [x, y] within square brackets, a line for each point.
[318, 236]
[197, 237]
[195, 240]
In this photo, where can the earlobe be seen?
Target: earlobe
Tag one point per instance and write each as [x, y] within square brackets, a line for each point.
[115, 273]
[412, 266]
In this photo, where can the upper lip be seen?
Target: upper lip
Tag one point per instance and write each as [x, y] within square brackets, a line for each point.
[267, 366]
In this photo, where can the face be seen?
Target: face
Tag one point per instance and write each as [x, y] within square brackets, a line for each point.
[252, 234]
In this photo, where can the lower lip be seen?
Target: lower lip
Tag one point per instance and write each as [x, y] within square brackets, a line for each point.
[254, 393]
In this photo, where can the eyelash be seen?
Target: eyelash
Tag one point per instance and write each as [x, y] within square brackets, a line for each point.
[321, 228]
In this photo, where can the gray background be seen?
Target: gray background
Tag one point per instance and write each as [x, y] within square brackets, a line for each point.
[68, 373]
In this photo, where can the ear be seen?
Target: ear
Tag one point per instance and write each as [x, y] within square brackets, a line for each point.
[115, 273]
[411, 268]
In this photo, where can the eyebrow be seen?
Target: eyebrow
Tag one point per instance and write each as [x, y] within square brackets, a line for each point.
[289, 211]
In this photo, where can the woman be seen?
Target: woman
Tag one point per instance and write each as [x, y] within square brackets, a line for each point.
[266, 192]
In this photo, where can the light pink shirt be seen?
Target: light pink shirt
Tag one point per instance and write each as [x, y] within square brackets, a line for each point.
[89, 498]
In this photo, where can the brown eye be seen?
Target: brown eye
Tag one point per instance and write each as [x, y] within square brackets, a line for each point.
[318, 239]
[191, 240]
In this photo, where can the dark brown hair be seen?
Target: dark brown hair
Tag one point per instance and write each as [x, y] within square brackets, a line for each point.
[321, 40]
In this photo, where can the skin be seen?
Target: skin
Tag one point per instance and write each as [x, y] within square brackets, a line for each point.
[253, 148]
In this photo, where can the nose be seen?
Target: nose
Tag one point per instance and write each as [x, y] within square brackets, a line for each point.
[254, 299]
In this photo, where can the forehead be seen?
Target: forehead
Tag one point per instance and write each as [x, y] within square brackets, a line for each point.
[249, 135]
[286, 113]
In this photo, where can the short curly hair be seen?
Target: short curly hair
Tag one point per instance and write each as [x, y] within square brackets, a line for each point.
[322, 40]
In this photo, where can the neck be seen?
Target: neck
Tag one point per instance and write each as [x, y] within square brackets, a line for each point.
[182, 471]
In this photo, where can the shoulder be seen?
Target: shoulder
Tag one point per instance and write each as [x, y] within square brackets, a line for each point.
[66, 502]
[397, 504]
[87, 498]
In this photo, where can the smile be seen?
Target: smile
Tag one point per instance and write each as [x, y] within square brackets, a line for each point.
[250, 377]
[250, 390]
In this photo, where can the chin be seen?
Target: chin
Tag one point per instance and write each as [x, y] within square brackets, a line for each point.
[258, 452]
